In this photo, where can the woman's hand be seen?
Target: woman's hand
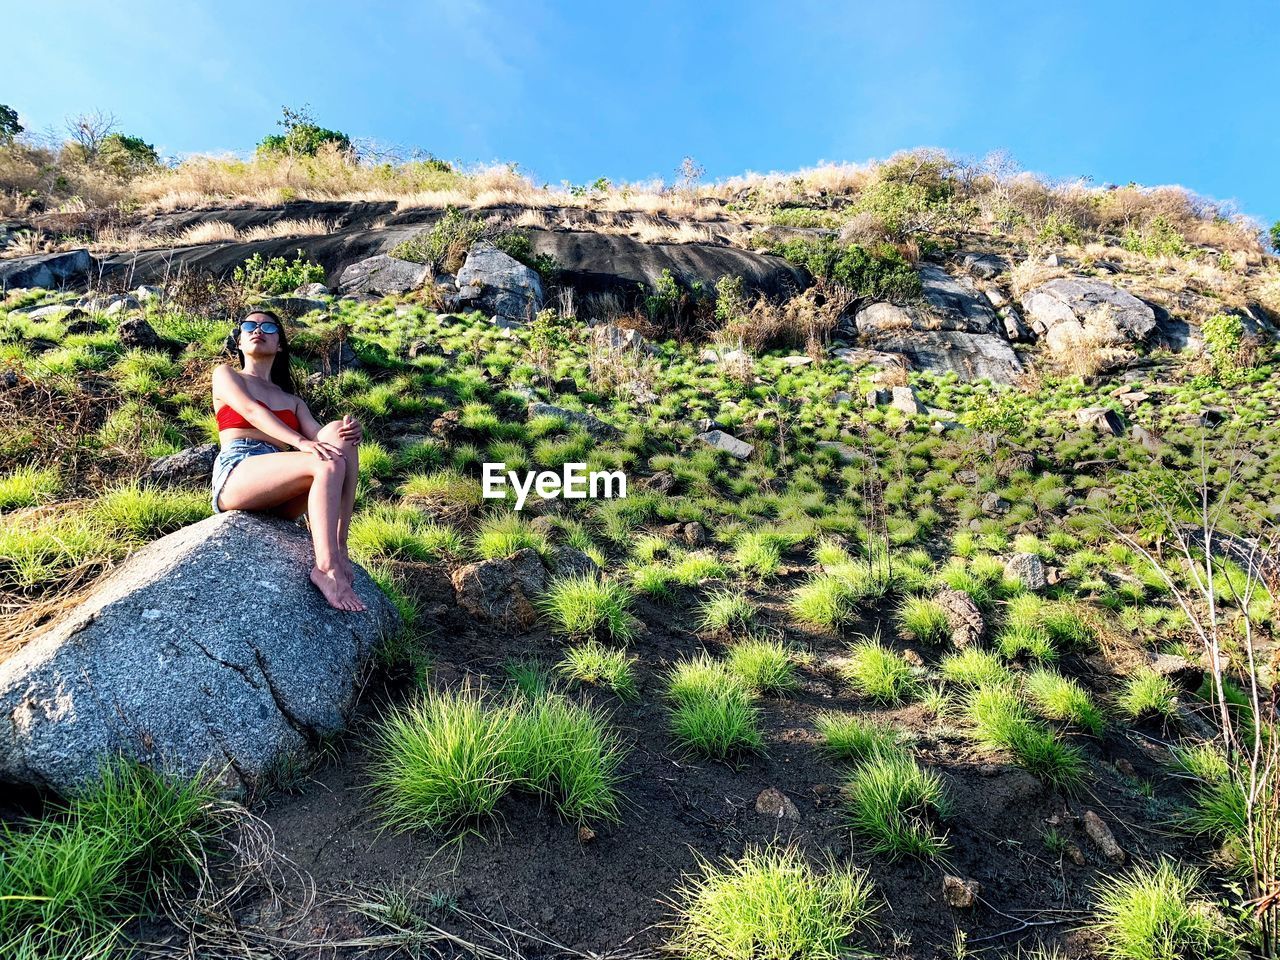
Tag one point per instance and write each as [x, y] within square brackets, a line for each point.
[325, 451]
[350, 430]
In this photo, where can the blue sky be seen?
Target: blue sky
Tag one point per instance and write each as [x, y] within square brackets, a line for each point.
[1156, 92]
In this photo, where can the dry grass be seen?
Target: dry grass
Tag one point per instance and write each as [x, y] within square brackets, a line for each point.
[115, 238]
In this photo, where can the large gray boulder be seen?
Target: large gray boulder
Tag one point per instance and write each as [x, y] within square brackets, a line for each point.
[1071, 311]
[971, 356]
[492, 281]
[948, 303]
[48, 270]
[209, 649]
[383, 276]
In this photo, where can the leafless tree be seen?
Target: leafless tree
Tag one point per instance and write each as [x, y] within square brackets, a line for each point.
[89, 130]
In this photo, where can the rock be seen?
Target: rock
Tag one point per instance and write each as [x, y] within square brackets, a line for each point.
[565, 385]
[963, 617]
[493, 281]
[312, 291]
[1074, 854]
[597, 428]
[708, 355]
[970, 356]
[193, 463]
[1053, 260]
[341, 356]
[566, 561]
[46, 270]
[208, 647]
[993, 504]
[1027, 569]
[728, 443]
[292, 307]
[136, 333]
[1180, 671]
[776, 805]
[492, 591]
[1071, 311]
[383, 276]
[1103, 420]
[995, 296]
[612, 337]
[664, 481]
[905, 399]
[856, 356]
[1211, 417]
[1102, 837]
[985, 266]
[585, 833]
[147, 293]
[122, 305]
[530, 574]
[959, 893]
[878, 397]
[64, 312]
[1015, 331]
[796, 361]
[949, 303]
[846, 452]
[842, 396]
[1145, 438]
[85, 325]
[423, 348]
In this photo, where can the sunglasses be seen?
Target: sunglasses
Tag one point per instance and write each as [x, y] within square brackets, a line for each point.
[266, 326]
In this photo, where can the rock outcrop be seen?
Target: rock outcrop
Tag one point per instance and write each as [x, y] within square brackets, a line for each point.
[501, 285]
[207, 650]
[970, 356]
[48, 270]
[1071, 311]
[382, 276]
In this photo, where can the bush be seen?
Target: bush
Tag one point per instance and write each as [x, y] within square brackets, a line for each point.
[445, 245]
[771, 904]
[277, 275]
[1159, 238]
[1153, 913]
[880, 273]
[302, 136]
[878, 673]
[588, 607]
[847, 736]
[712, 711]
[1223, 337]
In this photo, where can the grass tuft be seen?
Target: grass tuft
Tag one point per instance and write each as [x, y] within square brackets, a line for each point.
[585, 606]
[894, 802]
[1154, 913]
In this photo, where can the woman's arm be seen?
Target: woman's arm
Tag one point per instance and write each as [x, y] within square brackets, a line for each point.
[348, 428]
[228, 388]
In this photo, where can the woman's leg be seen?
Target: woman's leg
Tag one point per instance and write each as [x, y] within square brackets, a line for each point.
[351, 456]
[269, 480]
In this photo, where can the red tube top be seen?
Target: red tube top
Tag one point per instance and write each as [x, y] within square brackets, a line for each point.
[229, 419]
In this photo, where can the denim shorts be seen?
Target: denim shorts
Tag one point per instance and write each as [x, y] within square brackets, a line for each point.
[232, 454]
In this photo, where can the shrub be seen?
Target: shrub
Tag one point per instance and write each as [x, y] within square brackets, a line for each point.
[880, 273]
[585, 606]
[1159, 238]
[445, 245]
[1153, 913]
[846, 736]
[277, 275]
[1223, 337]
[893, 802]
[712, 711]
[771, 903]
[594, 663]
[878, 672]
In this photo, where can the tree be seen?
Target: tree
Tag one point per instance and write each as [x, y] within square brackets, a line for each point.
[126, 156]
[88, 131]
[9, 125]
[302, 136]
[1275, 236]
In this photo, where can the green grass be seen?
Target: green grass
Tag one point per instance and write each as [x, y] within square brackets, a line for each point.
[137, 513]
[924, 620]
[388, 532]
[1056, 697]
[894, 803]
[70, 882]
[1155, 913]
[771, 904]
[1148, 696]
[758, 552]
[585, 606]
[824, 601]
[503, 535]
[712, 711]
[28, 486]
[1002, 722]
[594, 663]
[974, 668]
[765, 666]
[38, 552]
[443, 490]
[725, 610]
[878, 673]
[847, 736]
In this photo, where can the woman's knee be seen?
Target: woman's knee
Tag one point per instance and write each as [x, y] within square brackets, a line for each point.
[329, 434]
[329, 470]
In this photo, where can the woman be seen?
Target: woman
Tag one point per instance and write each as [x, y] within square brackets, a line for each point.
[259, 415]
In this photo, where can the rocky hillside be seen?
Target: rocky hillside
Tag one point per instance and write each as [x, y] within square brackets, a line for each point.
[936, 621]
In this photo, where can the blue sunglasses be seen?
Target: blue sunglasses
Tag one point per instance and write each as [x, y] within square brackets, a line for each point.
[266, 326]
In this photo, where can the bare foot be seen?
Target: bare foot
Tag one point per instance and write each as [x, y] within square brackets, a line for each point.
[339, 595]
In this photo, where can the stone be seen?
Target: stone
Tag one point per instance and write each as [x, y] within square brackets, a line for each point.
[313, 291]
[193, 463]
[664, 481]
[1180, 671]
[1027, 569]
[291, 307]
[995, 296]
[1074, 854]
[1145, 438]
[796, 361]
[963, 617]
[341, 356]
[492, 591]
[613, 337]
[878, 397]
[728, 443]
[47, 270]
[64, 312]
[565, 385]
[566, 561]
[948, 303]
[122, 305]
[776, 805]
[147, 292]
[985, 266]
[1070, 311]
[844, 451]
[992, 504]
[585, 833]
[709, 355]
[530, 574]
[905, 399]
[960, 893]
[136, 333]
[597, 428]
[1015, 330]
[1103, 420]
[383, 275]
[970, 356]
[857, 356]
[208, 649]
[1097, 831]
[499, 284]
[1053, 260]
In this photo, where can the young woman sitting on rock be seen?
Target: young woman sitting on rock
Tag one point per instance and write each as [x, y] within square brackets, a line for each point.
[259, 416]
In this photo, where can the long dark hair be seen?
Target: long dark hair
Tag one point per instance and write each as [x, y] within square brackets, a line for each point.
[280, 373]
